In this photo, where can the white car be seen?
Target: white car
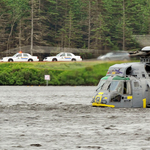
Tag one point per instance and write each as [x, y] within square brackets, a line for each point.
[20, 57]
[63, 56]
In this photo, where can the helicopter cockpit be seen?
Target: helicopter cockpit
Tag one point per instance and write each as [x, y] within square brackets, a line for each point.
[119, 84]
[112, 89]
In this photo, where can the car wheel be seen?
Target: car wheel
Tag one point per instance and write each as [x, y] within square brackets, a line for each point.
[10, 60]
[73, 59]
[54, 59]
[30, 60]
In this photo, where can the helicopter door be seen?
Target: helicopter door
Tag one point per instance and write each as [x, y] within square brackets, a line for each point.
[127, 94]
[137, 95]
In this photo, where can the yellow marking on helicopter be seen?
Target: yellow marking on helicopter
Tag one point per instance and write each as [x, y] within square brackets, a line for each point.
[113, 72]
[129, 97]
[104, 105]
[98, 99]
[101, 93]
[144, 103]
[105, 97]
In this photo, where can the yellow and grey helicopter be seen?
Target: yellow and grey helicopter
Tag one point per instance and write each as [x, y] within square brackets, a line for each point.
[126, 85]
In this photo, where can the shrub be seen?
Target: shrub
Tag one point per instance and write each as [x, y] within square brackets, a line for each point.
[73, 73]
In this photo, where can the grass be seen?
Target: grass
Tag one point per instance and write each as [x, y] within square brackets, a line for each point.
[57, 65]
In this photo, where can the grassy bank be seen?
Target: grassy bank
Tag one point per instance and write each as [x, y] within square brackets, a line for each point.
[61, 73]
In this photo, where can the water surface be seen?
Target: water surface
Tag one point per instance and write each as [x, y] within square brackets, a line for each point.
[62, 118]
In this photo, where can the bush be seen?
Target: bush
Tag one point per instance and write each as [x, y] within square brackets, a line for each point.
[73, 73]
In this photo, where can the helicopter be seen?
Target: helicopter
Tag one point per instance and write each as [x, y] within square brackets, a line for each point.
[126, 85]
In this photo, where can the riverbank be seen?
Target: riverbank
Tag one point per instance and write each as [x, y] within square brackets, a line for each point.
[61, 73]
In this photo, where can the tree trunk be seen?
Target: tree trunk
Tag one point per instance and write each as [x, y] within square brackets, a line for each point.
[12, 26]
[20, 36]
[56, 19]
[39, 5]
[89, 25]
[32, 27]
[70, 30]
[123, 42]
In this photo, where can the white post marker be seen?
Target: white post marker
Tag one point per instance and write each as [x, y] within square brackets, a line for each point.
[47, 78]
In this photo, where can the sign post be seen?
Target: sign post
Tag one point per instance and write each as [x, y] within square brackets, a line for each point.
[47, 78]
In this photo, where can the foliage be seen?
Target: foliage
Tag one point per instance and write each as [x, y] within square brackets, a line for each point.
[98, 24]
[61, 73]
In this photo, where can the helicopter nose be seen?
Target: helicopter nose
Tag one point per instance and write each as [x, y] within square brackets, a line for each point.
[100, 99]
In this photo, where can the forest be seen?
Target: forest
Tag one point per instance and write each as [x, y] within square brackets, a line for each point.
[86, 24]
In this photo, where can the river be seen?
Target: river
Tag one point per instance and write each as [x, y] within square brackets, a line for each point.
[62, 118]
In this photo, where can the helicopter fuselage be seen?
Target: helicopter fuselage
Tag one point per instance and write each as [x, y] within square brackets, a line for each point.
[125, 85]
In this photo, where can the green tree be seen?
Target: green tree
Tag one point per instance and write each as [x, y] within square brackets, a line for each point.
[69, 33]
[16, 10]
[100, 30]
[4, 20]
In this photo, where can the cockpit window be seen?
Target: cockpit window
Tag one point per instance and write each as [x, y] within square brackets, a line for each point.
[101, 83]
[115, 98]
[122, 87]
[113, 85]
[116, 86]
[106, 85]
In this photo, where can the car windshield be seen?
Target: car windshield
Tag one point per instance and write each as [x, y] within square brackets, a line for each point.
[125, 53]
[108, 54]
[58, 55]
[15, 55]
